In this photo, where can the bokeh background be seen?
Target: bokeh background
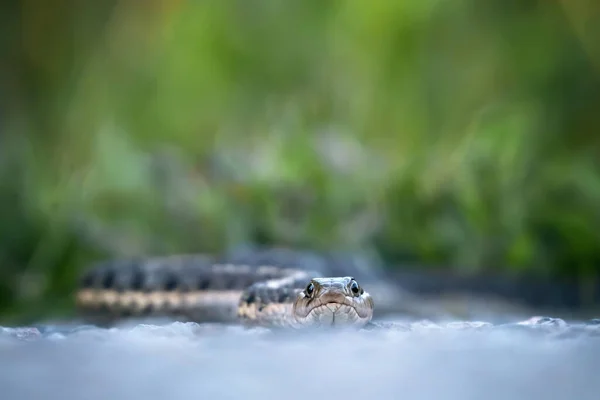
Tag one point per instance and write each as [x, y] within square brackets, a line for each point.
[456, 137]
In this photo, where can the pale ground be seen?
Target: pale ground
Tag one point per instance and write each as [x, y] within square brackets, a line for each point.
[187, 361]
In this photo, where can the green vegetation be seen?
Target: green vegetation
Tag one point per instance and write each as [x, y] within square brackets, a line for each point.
[460, 133]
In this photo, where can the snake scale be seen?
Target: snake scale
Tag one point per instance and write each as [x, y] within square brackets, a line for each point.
[272, 288]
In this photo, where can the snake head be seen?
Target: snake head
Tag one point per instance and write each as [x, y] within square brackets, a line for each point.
[333, 302]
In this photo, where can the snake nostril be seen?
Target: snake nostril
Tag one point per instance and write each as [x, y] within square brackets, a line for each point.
[356, 290]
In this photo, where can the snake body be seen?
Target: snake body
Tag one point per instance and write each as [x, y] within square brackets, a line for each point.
[198, 288]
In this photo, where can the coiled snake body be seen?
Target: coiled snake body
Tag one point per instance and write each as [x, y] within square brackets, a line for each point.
[196, 288]
[269, 289]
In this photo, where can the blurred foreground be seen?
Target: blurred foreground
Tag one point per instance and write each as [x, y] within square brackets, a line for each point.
[183, 361]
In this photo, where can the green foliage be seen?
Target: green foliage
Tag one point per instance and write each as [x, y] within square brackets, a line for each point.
[457, 133]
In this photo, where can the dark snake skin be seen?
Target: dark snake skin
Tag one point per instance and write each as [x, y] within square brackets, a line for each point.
[257, 287]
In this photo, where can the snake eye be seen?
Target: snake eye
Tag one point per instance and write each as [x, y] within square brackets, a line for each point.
[356, 290]
[310, 289]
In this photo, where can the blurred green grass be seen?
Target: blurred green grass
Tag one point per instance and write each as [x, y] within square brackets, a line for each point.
[458, 133]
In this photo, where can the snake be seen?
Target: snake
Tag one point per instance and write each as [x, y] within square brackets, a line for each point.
[199, 288]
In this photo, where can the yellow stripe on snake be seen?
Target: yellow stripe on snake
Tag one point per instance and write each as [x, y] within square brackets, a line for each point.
[196, 288]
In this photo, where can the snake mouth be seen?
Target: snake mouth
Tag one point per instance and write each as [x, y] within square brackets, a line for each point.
[334, 314]
[333, 309]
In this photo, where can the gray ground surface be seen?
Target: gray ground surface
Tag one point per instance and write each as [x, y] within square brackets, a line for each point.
[190, 361]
